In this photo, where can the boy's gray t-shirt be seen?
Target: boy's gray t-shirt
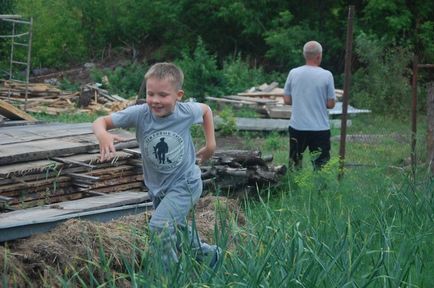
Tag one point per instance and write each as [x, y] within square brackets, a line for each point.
[167, 149]
[310, 87]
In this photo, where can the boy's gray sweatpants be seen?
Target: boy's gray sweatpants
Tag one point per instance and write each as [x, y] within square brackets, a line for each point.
[171, 211]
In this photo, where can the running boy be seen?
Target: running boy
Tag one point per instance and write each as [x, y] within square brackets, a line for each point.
[168, 154]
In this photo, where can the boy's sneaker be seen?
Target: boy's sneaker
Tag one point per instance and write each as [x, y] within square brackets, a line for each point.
[216, 259]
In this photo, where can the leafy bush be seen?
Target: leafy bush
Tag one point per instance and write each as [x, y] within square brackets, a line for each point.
[228, 125]
[123, 80]
[273, 142]
[201, 75]
[239, 76]
[382, 84]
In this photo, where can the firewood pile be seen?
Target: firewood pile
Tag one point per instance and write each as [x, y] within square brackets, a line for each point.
[43, 164]
[46, 98]
[240, 170]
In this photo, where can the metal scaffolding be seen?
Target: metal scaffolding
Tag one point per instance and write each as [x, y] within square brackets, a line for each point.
[19, 40]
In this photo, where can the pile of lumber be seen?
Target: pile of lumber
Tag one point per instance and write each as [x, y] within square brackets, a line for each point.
[267, 101]
[46, 98]
[46, 163]
[18, 90]
[274, 92]
[265, 90]
[41, 97]
[94, 98]
[255, 98]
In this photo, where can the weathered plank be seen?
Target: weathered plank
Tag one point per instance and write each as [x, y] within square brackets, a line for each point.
[43, 149]
[284, 111]
[13, 113]
[235, 103]
[122, 187]
[110, 181]
[33, 198]
[251, 99]
[41, 222]
[258, 124]
[274, 92]
[46, 212]
[40, 131]
[11, 189]
[278, 111]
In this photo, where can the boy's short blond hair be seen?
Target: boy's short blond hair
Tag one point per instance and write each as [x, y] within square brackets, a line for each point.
[169, 71]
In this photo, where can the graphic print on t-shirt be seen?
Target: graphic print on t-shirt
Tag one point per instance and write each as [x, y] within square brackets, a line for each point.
[164, 149]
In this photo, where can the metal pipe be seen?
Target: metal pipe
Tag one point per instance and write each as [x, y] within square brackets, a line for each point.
[347, 81]
[16, 21]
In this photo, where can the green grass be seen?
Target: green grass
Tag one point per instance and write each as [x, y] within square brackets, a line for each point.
[372, 228]
[67, 118]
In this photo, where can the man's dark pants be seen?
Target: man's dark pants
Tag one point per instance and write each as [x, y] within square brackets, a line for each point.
[318, 143]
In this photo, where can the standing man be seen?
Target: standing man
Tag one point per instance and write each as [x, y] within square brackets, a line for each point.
[310, 90]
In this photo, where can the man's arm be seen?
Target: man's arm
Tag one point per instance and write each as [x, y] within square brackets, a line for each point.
[106, 140]
[208, 128]
[330, 103]
[287, 99]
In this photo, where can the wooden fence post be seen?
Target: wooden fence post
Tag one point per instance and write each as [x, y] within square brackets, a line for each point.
[430, 134]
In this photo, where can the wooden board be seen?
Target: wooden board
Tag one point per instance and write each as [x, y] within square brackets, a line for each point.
[274, 92]
[258, 124]
[55, 147]
[13, 113]
[39, 131]
[235, 103]
[44, 213]
[284, 111]
[251, 99]
[278, 111]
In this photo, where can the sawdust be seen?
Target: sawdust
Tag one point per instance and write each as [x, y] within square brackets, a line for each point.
[39, 259]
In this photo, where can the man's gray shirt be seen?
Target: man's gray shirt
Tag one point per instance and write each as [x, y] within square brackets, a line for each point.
[167, 149]
[310, 87]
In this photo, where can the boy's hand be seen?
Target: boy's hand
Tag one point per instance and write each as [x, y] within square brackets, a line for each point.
[107, 148]
[204, 154]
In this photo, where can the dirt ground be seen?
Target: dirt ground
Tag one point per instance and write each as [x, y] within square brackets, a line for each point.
[75, 241]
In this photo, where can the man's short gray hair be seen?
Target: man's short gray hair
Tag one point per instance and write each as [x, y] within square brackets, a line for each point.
[312, 49]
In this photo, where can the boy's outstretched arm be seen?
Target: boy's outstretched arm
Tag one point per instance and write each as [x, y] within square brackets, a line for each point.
[208, 128]
[106, 140]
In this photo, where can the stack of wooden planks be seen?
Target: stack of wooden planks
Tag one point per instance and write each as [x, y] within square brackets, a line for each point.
[48, 163]
[267, 100]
